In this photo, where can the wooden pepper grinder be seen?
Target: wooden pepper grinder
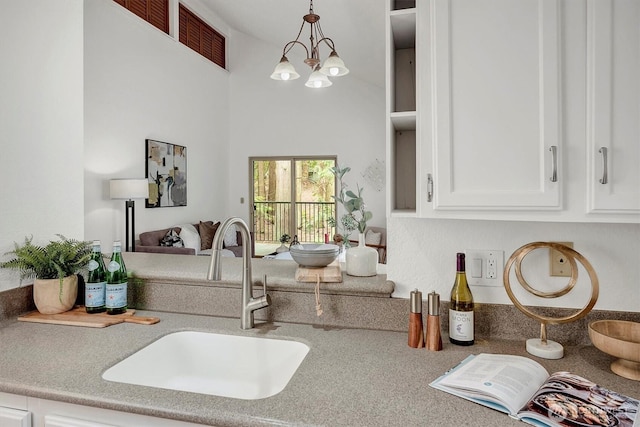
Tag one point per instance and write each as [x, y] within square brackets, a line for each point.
[434, 339]
[416, 335]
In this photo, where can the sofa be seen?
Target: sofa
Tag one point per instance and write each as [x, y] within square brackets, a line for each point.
[191, 239]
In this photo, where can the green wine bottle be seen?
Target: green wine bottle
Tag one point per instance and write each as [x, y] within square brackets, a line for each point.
[116, 289]
[94, 290]
[461, 331]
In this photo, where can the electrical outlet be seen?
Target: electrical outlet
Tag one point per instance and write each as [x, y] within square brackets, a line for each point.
[558, 264]
[484, 267]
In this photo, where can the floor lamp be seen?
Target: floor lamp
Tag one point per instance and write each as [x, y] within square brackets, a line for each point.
[129, 189]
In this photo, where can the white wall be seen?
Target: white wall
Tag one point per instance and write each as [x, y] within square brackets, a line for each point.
[422, 255]
[275, 118]
[141, 83]
[41, 120]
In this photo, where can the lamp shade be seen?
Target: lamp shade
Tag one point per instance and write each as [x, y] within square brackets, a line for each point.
[334, 66]
[129, 188]
[318, 80]
[284, 70]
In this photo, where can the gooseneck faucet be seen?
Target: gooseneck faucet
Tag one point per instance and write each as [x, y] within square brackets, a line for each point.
[249, 303]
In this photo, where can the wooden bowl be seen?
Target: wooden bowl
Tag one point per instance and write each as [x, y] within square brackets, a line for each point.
[620, 339]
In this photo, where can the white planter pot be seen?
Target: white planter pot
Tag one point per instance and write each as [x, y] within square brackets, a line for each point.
[361, 260]
[282, 248]
[47, 296]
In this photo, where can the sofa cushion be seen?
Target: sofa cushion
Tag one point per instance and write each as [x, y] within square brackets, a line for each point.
[153, 238]
[190, 237]
[172, 239]
[372, 238]
[207, 232]
[231, 236]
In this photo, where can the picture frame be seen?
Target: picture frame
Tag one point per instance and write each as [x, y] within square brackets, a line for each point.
[166, 171]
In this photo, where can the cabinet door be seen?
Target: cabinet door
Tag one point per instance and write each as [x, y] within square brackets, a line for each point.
[613, 106]
[496, 118]
[14, 417]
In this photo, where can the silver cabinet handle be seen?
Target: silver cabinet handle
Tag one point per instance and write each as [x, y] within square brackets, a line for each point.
[554, 161]
[429, 188]
[605, 177]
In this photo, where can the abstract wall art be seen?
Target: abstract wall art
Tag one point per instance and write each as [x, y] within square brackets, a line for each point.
[166, 167]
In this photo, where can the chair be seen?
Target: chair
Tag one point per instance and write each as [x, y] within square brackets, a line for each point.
[381, 247]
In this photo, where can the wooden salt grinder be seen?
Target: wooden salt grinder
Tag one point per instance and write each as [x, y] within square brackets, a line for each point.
[434, 339]
[416, 335]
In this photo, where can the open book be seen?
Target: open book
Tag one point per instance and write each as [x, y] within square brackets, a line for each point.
[523, 389]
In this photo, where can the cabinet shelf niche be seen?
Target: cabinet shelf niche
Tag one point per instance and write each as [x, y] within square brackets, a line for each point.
[401, 104]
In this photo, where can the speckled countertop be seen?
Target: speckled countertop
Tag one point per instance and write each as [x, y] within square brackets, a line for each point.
[351, 377]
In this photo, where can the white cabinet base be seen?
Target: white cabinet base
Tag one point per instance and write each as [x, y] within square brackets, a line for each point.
[14, 417]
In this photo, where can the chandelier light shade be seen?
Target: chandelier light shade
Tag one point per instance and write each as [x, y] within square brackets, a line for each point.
[333, 66]
[284, 71]
[317, 79]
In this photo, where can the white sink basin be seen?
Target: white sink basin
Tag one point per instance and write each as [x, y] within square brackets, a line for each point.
[216, 364]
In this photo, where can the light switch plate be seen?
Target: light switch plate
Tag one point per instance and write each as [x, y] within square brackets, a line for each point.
[484, 267]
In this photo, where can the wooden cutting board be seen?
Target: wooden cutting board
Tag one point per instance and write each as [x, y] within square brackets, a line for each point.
[329, 274]
[79, 317]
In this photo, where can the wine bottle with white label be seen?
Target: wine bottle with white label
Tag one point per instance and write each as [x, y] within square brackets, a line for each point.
[116, 293]
[461, 331]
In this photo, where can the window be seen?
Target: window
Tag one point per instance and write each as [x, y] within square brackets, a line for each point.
[155, 12]
[294, 196]
[199, 36]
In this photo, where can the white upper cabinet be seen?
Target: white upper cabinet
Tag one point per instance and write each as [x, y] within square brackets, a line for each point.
[514, 110]
[613, 107]
[496, 95]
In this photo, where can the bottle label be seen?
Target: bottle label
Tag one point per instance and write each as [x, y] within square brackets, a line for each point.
[116, 295]
[92, 265]
[94, 294]
[461, 325]
[113, 266]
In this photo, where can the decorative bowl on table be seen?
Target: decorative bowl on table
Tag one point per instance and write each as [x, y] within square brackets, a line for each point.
[621, 339]
[313, 254]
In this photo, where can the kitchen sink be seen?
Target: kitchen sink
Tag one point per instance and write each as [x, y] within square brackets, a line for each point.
[216, 364]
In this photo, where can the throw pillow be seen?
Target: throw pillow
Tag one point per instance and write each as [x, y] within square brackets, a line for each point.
[231, 237]
[207, 232]
[190, 237]
[372, 238]
[172, 239]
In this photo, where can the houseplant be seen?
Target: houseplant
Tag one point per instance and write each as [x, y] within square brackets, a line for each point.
[54, 267]
[360, 260]
[284, 239]
[356, 215]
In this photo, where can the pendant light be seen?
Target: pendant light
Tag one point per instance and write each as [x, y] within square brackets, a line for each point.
[333, 66]
[318, 79]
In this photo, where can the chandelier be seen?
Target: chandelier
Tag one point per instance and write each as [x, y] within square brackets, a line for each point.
[333, 66]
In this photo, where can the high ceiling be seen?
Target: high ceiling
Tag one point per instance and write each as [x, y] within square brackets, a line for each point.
[357, 28]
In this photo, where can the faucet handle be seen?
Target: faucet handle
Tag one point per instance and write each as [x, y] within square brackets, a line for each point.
[266, 296]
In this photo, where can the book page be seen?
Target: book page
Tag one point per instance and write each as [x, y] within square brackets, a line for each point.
[567, 399]
[507, 379]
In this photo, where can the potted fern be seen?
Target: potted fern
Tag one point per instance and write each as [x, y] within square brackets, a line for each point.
[54, 267]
